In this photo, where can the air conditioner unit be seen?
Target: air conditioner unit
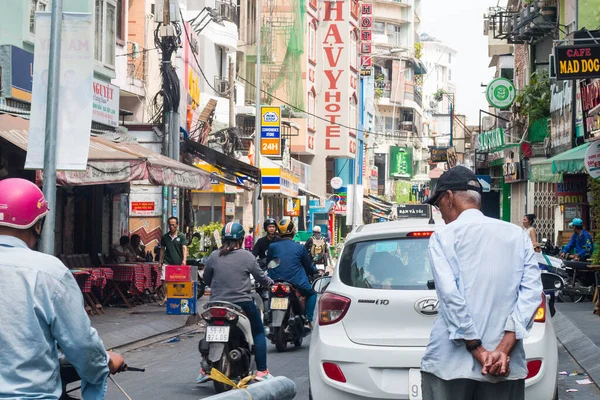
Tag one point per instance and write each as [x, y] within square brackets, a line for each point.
[223, 87]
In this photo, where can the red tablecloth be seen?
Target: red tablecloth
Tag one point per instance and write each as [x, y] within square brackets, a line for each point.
[84, 280]
[140, 275]
[100, 276]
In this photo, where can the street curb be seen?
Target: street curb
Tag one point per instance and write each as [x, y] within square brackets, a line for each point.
[581, 348]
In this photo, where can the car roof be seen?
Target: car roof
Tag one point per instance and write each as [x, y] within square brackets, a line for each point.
[397, 228]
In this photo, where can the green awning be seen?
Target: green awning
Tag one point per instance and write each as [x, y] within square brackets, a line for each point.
[571, 161]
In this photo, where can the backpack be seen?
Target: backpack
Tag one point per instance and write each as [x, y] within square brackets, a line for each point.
[317, 250]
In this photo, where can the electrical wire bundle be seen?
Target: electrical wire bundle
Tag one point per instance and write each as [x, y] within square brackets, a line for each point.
[167, 99]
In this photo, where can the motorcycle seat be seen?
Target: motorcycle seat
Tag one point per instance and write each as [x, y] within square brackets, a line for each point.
[578, 265]
[224, 304]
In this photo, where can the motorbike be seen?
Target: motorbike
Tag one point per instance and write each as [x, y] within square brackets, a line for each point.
[549, 248]
[69, 375]
[228, 345]
[580, 282]
[201, 285]
[286, 320]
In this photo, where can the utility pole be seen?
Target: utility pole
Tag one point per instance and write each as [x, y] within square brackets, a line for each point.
[49, 175]
[168, 45]
[258, 117]
[231, 94]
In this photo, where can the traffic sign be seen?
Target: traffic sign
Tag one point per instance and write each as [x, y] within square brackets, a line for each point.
[270, 131]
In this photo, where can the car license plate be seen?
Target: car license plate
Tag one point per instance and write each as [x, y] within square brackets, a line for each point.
[414, 384]
[217, 333]
[279, 303]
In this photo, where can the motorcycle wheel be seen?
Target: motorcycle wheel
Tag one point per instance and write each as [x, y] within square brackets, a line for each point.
[280, 339]
[201, 289]
[223, 365]
[572, 297]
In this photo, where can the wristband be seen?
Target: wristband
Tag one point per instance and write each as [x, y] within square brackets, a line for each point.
[474, 346]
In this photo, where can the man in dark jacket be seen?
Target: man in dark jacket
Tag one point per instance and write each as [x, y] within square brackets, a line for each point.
[262, 245]
[289, 261]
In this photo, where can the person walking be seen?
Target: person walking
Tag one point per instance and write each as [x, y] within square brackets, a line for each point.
[489, 288]
[228, 273]
[249, 241]
[581, 242]
[528, 221]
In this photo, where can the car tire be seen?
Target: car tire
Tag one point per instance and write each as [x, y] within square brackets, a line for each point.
[310, 397]
[555, 397]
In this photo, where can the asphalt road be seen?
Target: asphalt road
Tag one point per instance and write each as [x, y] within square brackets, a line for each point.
[171, 370]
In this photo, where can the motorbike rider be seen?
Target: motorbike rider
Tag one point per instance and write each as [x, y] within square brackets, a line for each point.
[581, 242]
[41, 308]
[289, 261]
[262, 245]
[317, 248]
[228, 273]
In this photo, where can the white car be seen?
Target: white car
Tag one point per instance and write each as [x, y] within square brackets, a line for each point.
[374, 320]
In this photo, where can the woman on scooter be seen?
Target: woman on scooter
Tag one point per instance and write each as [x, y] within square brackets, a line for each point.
[228, 273]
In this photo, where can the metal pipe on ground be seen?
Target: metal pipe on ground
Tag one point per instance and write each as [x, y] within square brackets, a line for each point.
[279, 388]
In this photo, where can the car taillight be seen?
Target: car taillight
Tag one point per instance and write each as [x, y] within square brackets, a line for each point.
[279, 288]
[533, 368]
[218, 314]
[419, 234]
[540, 314]
[332, 308]
[334, 372]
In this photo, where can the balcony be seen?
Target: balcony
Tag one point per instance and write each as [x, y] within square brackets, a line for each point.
[221, 86]
[536, 19]
[383, 89]
[227, 10]
[402, 3]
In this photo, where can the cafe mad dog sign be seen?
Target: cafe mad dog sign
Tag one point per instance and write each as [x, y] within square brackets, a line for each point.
[577, 62]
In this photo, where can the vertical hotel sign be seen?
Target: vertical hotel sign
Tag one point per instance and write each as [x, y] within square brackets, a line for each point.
[270, 131]
[337, 81]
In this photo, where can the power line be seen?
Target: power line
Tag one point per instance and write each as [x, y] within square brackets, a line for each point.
[133, 53]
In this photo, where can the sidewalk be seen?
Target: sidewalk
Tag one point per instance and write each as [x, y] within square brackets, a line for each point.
[578, 329]
[122, 326]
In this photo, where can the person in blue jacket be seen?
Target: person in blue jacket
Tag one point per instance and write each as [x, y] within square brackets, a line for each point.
[289, 261]
[581, 242]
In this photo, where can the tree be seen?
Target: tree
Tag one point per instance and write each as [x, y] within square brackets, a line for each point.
[534, 99]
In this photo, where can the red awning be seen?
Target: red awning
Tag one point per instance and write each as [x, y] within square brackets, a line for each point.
[110, 162]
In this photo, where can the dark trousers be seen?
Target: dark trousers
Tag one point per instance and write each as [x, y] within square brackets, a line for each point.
[258, 333]
[435, 388]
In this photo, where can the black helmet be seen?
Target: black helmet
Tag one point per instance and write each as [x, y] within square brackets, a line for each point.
[233, 231]
[269, 221]
[286, 227]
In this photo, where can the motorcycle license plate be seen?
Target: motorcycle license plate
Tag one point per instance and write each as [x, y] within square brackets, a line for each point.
[279, 303]
[217, 334]
[414, 384]
[320, 267]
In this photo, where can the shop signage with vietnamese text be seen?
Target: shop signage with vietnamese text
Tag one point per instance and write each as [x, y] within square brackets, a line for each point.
[438, 154]
[106, 103]
[490, 140]
[591, 161]
[590, 99]
[572, 190]
[270, 131]
[577, 62]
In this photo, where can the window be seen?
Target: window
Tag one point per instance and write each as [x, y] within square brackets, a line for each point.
[394, 34]
[392, 264]
[35, 5]
[450, 75]
[389, 124]
[449, 58]
[353, 49]
[379, 27]
[120, 21]
[312, 41]
[105, 32]
[312, 110]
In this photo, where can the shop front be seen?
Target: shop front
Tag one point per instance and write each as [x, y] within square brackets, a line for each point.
[279, 185]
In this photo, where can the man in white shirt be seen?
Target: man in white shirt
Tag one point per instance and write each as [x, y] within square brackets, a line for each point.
[489, 288]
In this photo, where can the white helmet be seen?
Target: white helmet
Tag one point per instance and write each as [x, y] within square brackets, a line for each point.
[316, 229]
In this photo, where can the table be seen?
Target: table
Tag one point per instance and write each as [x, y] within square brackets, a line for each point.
[138, 276]
[84, 280]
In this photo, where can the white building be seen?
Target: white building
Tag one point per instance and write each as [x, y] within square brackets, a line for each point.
[440, 62]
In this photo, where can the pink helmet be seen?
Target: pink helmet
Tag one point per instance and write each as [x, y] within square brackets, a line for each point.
[22, 203]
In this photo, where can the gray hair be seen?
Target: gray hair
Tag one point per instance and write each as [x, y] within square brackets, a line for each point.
[470, 196]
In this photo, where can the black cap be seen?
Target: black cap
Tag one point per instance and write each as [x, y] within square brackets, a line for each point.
[456, 178]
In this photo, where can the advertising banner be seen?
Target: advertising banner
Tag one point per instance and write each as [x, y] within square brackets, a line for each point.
[75, 97]
[577, 62]
[401, 162]
[106, 103]
[560, 116]
[21, 66]
[270, 131]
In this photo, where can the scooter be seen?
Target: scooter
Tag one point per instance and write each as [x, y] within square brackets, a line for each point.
[201, 285]
[287, 320]
[228, 345]
[69, 375]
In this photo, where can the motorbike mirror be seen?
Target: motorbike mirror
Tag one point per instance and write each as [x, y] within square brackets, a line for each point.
[552, 282]
[321, 284]
[431, 284]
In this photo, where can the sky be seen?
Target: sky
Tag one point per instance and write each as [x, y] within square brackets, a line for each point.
[459, 24]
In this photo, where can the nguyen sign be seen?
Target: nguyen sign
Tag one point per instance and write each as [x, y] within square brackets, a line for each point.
[577, 62]
[339, 82]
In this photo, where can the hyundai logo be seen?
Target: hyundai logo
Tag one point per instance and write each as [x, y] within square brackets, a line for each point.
[427, 306]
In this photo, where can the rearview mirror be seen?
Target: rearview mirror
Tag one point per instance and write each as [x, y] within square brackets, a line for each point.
[431, 284]
[321, 284]
[552, 282]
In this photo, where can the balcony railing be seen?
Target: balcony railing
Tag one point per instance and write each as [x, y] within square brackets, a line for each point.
[532, 22]
[137, 62]
[222, 86]
[383, 89]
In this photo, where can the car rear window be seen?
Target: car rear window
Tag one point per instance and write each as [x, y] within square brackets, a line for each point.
[392, 264]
